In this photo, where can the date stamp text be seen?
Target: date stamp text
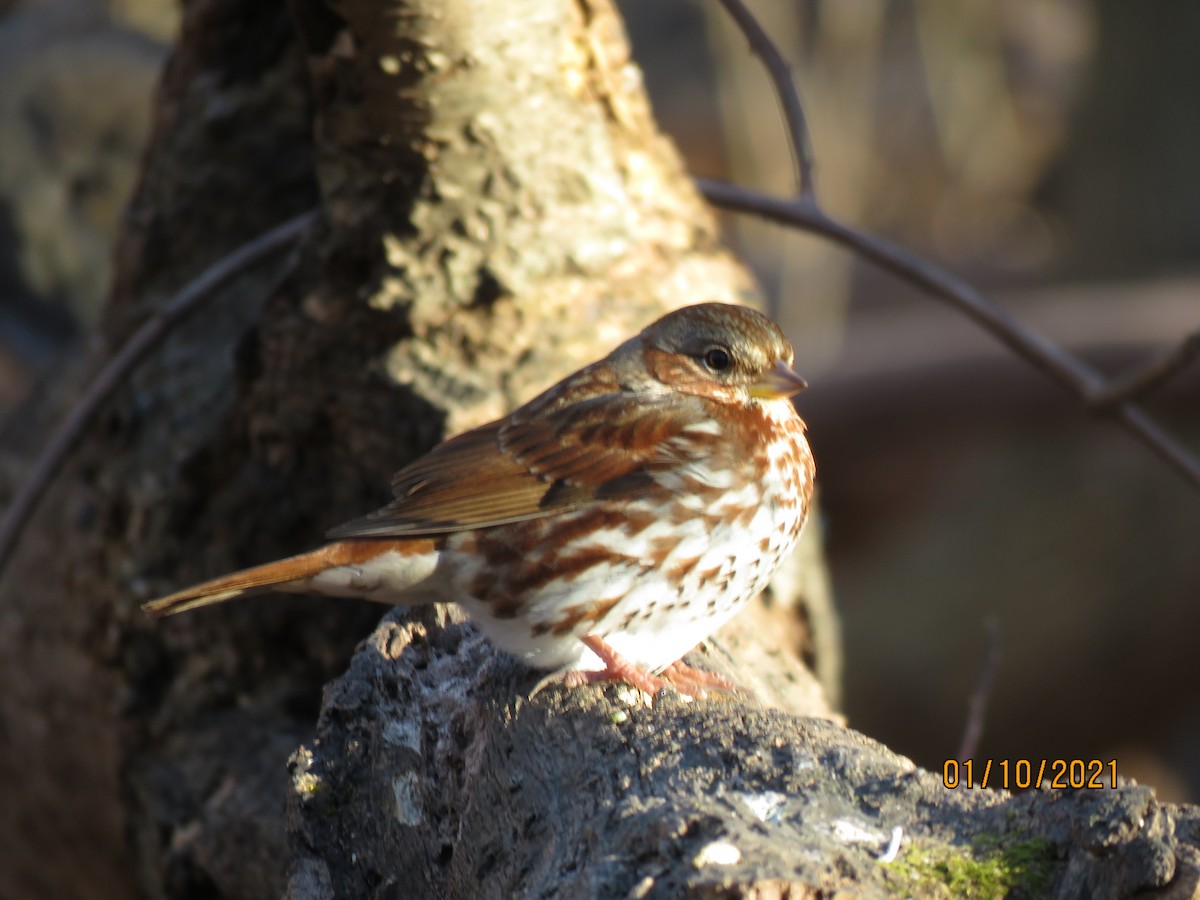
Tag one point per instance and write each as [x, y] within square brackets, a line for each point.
[1023, 774]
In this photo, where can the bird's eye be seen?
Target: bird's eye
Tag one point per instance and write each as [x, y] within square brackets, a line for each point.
[717, 359]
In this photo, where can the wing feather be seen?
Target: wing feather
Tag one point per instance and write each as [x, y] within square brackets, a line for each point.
[600, 449]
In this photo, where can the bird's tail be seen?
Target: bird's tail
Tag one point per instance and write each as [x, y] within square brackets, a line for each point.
[293, 573]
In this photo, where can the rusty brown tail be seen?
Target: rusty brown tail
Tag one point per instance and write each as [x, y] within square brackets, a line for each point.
[267, 577]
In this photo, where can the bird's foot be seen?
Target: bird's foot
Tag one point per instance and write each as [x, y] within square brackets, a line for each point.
[697, 682]
[683, 679]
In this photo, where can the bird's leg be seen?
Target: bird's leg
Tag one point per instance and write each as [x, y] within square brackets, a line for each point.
[616, 668]
[685, 679]
[694, 682]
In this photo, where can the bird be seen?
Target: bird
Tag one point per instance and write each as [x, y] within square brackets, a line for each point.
[605, 528]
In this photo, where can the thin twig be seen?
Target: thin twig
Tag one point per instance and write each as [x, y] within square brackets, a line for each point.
[977, 705]
[1073, 374]
[785, 90]
[1142, 379]
[133, 351]
[1047, 356]
[805, 213]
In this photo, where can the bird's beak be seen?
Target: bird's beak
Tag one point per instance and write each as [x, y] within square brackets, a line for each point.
[779, 382]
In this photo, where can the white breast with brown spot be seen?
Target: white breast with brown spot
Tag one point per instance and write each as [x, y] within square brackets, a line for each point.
[659, 585]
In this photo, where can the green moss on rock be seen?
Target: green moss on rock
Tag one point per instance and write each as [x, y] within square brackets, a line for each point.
[986, 869]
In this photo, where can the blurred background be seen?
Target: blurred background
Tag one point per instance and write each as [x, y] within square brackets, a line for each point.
[1045, 150]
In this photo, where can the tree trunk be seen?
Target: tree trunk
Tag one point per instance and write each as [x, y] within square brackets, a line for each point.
[497, 210]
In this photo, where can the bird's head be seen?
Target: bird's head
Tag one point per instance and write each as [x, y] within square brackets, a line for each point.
[726, 353]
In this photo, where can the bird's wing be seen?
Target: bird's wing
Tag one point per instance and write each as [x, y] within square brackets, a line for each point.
[603, 448]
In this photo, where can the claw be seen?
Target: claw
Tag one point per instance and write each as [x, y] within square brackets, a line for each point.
[683, 679]
[696, 682]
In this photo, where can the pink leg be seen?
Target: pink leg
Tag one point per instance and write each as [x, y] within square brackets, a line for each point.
[693, 681]
[684, 679]
[617, 668]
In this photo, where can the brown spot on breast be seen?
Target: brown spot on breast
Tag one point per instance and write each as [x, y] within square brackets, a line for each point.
[508, 606]
[660, 548]
[745, 516]
[508, 556]
[583, 612]
[677, 571]
[573, 562]
[580, 526]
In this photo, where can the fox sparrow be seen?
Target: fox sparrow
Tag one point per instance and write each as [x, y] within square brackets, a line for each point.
[604, 528]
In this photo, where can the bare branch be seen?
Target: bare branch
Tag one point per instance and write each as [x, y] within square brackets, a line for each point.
[977, 705]
[805, 213]
[1057, 363]
[785, 89]
[1142, 379]
[1073, 374]
[133, 351]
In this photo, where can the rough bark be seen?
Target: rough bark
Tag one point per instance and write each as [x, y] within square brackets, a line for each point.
[433, 776]
[498, 209]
